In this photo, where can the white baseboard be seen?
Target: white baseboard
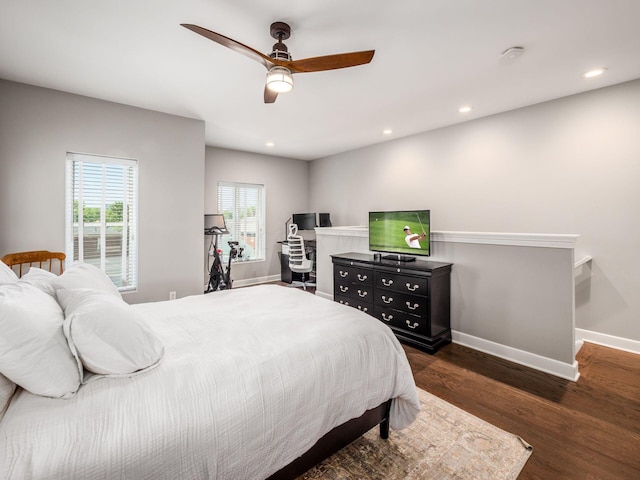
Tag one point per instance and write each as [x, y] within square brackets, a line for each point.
[328, 296]
[567, 371]
[605, 340]
[256, 281]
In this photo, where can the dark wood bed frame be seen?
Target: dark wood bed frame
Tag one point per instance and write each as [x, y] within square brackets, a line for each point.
[336, 439]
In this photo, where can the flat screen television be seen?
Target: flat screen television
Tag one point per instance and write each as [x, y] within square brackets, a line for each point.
[401, 234]
[305, 221]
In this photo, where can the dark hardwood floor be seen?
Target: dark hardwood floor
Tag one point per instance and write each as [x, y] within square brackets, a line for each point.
[587, 430]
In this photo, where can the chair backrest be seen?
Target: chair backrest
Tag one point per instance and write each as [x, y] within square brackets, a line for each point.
[298, 261]
[41, 257]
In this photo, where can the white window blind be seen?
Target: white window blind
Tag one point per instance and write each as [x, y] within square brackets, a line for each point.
[101, 215]
[244, 213]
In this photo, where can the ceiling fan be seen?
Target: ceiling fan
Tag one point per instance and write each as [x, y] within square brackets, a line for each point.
[279, 63]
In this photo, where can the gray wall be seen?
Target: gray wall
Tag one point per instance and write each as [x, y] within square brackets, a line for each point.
[286, 184]
[38, 126]
[565, 166]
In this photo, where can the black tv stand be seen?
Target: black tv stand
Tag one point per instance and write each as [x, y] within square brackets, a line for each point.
[399, 258]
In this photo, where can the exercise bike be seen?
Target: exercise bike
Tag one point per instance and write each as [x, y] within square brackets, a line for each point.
[219, 279]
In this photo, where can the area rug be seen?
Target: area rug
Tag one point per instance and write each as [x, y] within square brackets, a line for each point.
[445, 442]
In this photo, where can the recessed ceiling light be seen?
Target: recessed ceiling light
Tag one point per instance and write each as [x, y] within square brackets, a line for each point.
[596, 72]
[387, 131]
[465, 109]
[269, 144]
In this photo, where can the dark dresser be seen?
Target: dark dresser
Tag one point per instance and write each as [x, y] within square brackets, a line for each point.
[413, 298]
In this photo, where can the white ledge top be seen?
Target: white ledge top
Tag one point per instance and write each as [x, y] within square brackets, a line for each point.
[548, 240]
[351, 231]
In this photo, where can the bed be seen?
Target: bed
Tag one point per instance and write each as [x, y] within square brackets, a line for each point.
[253, 383]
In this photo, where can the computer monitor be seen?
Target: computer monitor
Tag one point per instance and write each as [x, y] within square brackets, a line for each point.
[325, 219]
[305, 221]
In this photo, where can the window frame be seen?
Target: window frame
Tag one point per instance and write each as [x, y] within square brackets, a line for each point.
[128, 281]
[260, 249]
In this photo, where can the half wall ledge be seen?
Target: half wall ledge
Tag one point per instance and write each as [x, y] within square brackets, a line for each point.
[549, 240]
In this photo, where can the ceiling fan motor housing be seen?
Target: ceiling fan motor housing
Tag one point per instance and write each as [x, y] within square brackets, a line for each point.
[280, 54]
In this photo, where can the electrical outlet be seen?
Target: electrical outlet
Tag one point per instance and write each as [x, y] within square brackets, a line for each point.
[172, 295]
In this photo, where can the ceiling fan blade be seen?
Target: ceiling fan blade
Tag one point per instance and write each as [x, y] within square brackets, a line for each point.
[232, 44]
[329, 62]
[269, 95]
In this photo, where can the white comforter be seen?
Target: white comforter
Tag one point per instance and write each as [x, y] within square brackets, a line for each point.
[251, 378]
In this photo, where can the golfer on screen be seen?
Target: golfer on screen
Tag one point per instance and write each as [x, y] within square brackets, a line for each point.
[413, 239]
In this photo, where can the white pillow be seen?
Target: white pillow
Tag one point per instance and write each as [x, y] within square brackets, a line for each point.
[85, 275]
[109, 336]
[34, 352]
[7, 275]
[7, 387]
[41, 279]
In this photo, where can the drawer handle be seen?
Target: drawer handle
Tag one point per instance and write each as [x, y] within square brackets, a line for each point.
[415, 324]
[343, 274]
[344, 303]
[412, 307]
[387, 283]
[364, 309]
[362, 294]
[385, 300]
[361, 277]
[344, 289]
[387, 318]
[412, 289]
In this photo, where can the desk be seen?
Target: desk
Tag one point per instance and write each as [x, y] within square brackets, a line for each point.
[286, 275]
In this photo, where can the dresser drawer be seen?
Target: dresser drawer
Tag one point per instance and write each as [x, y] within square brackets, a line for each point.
[402, 320]
[360, 292]
[366, 307]
[400, 301]
[402, 283]
[355, 275]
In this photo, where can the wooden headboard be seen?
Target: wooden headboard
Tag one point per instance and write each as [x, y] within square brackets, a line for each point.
[39, 257]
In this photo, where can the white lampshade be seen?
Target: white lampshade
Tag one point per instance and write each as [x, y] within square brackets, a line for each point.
[280, 80]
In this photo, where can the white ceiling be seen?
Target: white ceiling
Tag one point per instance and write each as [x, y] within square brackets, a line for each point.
[431, 57]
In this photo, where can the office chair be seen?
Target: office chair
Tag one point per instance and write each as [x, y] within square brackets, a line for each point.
[298, 261]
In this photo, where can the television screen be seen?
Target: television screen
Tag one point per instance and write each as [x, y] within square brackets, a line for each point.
[305, 221]
[400, 232]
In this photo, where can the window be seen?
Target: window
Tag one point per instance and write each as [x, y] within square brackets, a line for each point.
[102, 215]
[243, 207]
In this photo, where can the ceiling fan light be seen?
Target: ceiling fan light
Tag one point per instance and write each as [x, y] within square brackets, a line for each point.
[279, 79]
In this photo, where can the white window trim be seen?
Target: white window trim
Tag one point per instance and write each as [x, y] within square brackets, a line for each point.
[73, 157]
[261, 232]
